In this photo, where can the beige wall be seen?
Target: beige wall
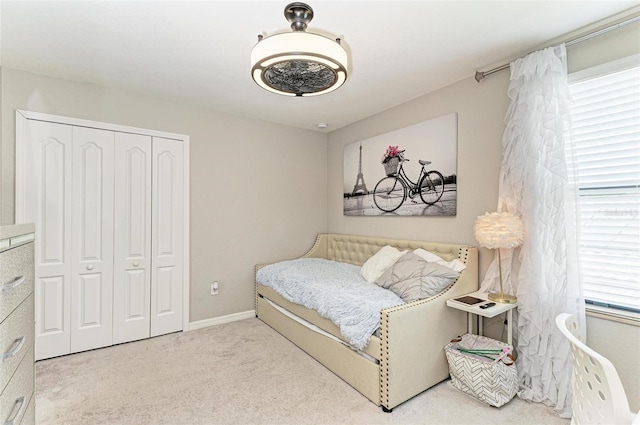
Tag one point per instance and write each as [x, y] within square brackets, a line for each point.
[258, 190]
[620, 343]
[604, 48]
[481, 109]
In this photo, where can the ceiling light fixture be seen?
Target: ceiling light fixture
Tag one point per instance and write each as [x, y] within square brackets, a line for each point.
[298, 63]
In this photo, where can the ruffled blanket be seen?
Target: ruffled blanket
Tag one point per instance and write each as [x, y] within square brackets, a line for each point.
[335, 290]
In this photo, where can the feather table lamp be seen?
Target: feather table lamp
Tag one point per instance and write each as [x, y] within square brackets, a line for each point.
[499, 231]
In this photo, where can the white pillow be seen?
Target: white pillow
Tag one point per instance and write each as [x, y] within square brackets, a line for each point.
[373, 268]
[455, 264]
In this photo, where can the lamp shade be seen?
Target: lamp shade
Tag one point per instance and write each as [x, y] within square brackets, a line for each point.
[299, 63]
[499, 230]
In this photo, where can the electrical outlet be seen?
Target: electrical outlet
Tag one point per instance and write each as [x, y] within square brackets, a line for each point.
[214, 288]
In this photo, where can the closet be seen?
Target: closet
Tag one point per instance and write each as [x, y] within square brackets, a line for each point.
[110, 207]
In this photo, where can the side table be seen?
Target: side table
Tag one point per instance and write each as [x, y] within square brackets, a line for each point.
[497, 309]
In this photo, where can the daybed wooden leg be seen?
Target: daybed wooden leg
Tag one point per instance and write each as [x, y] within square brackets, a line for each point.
[385, 410]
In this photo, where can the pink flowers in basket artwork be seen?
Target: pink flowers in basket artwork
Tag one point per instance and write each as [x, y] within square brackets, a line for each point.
[392, 152]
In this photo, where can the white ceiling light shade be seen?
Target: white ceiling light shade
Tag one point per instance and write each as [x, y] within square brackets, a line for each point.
[299, 63]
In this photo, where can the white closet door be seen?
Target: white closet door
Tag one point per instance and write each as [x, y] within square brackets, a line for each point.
[132, 238]
[48, 204]
[92, 246]
[167, 236]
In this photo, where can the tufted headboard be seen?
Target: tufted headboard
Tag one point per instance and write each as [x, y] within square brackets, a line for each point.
[356, 249]
[409, 346]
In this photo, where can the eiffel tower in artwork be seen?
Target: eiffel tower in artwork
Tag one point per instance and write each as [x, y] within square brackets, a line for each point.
[360, 188]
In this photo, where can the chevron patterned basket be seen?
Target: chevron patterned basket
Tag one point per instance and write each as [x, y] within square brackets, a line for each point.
[391, 166]
[491, 381]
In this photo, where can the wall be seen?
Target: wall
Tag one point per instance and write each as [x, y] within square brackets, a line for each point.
[481, 109]
[250, 201]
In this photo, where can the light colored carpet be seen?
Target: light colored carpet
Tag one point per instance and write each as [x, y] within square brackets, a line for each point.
[238, 373]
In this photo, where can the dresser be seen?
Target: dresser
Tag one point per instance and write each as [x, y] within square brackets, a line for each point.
[17, 366]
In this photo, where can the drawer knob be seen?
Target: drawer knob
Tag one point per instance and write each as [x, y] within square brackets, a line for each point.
[136, 264]
[16, 282]
[89, 267]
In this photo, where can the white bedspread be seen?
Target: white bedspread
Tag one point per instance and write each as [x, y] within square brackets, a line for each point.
[335, 290]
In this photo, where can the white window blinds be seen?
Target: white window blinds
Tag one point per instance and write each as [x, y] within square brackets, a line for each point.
[606, 150]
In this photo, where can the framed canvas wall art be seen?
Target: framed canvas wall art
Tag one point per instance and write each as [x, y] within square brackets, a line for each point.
[407, 172]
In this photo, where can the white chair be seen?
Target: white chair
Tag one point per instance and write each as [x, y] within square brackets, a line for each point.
[598, 395]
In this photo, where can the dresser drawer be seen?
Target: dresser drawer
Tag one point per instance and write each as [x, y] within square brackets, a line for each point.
[16, 277]
[16, 339]
[16, 396]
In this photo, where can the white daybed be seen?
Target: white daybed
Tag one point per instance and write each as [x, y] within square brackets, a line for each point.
[407, 355]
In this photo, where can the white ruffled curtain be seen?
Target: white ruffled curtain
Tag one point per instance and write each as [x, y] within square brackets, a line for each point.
[535, 182]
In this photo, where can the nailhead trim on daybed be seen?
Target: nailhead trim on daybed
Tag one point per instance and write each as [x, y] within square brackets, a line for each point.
[356, 250]
[463, 253]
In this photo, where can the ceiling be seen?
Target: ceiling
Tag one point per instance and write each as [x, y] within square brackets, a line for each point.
[198, 51]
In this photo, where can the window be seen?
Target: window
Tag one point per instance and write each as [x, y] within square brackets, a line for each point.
[606, 151]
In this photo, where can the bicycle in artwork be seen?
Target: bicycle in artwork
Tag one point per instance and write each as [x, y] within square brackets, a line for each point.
[394, 189]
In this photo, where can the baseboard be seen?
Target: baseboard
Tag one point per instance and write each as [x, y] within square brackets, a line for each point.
[222, 319]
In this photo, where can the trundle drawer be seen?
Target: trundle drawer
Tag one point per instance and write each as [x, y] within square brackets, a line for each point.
[16, 339]
[17, 395]
[16, 277]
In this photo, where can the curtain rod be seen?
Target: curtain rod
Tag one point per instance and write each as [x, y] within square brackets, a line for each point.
[480, 75]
